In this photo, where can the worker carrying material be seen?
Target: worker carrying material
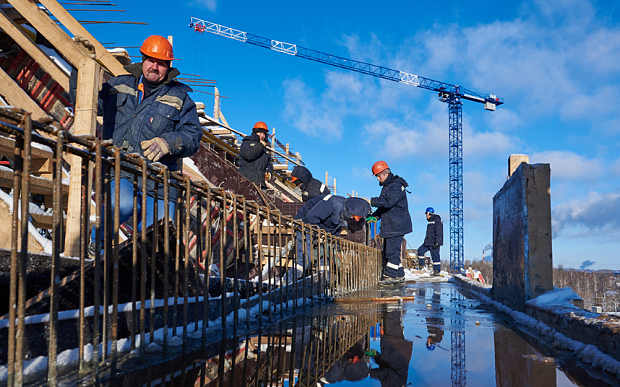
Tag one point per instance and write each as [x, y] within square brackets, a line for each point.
[147, 112]
[393, 210]
[330, 213]
[310, 187]
[254, 161]
[432, 241]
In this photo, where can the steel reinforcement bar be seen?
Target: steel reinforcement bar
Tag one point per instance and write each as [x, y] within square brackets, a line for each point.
[212, 266]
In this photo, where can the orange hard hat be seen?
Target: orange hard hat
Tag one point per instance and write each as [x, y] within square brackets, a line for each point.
[379, 167]
[157, 47]
[260, 125]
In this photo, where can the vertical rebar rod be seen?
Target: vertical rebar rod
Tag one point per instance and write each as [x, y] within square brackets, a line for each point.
[248, 256]
[283, 263]
[143, 260]
[97, 267]
[259, 246]
[15, 362]
[269, 258]
[223, 259]
[116, 241]
[235, 259]
[188, 198]
[52, 372]
[84, 239]
[134, 265]
[166, 253]
[177, 261]
[207, 266]
[198, 256]
[154, 251]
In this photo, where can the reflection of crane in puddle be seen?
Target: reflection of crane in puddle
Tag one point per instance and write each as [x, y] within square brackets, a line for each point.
[459, 379]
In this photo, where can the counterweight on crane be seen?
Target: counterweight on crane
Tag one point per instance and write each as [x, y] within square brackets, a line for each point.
[448, 93]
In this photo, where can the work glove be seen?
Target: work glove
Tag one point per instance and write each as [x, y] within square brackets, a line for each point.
[264, 143]
[268, 176]
[155, 149]
[372, 353]
[436, 245]
[371, 219]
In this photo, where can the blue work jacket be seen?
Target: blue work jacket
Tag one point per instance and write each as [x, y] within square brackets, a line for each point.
[392, 207]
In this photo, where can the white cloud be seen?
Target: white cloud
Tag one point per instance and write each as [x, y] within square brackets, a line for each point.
[211, 5]
[568, 165]
[504, 120]
[598, 214]
[316, 119]
[615, 168]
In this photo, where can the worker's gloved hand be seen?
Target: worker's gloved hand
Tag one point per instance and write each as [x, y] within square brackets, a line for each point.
[155, 149]
[268, 176]
[436, 245]
[372, 353]
[264, 143]
[371, 219]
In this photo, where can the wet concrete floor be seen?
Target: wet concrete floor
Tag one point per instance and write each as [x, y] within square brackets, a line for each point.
[439, 338]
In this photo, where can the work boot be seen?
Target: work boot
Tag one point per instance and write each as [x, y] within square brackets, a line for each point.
[436, 273]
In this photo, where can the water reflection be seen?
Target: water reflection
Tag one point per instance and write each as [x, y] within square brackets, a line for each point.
[372, 344]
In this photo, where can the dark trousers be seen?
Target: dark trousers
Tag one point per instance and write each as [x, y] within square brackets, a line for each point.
[391, 257]
[434, 256]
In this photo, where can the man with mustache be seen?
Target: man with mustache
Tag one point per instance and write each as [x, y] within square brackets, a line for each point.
[149, 113]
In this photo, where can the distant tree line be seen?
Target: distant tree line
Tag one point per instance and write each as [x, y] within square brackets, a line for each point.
[600, 287]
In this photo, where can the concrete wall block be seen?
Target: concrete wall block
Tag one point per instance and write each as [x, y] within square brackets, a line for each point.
[522, 261]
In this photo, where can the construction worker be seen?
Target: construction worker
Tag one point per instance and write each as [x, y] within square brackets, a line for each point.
[435, 322]
[393, 210]
[310, 187]
[254, 161]
[329, 213]
[149, 113]
[432, 241]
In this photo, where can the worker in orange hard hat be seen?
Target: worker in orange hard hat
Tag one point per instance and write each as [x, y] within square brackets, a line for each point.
[148, 112]
[393, 210]
[254, 161]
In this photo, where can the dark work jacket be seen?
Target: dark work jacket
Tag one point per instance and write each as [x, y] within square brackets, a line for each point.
[434, 231]
[331, 212]
[310, 187]
[392, 207]
[168, 112]
[254, 160]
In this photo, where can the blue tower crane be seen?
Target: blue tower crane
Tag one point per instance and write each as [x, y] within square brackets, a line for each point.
[448, 93]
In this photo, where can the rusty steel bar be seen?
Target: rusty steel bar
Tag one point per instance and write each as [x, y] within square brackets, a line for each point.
[248, 255]
[166, 253]
[107, 228]
[52, 372]
[235, 258]
[177, 257]
[188, 199]
[283, 264]
[198, 233]
[85, 189]
[154, 251]
[259, 239]
[133, 327]
[15, 362]
[269, 257]
[116, 240]
[223, 258]
[207, 266]
[97, 266]
[143, 259]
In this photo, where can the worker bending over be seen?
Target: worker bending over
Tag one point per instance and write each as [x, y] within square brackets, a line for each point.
[393, 210]
[329, 213]
[254, 161]
[432, 241]
[149, 113]
[309, 186]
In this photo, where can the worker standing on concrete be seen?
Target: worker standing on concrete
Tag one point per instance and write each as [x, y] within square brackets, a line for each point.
[254, 161]
[310, 187]
[148, 112]
[329, 213]
[432, 241]
[393, 210]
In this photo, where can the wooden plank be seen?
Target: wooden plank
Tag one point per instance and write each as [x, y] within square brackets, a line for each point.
[103, 55]
[38, 185]
[34, 51]
[48, 28]
[16, 96]
[7, 146]
[90, 75]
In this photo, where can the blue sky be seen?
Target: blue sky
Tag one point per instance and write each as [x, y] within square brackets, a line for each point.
[556, 64]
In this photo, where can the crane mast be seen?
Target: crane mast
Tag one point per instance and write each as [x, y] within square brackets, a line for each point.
[448, 93]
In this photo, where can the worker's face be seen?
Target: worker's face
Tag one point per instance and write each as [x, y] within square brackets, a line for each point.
[382, 176]
[428, 215]
[154, 69]
[261, 135]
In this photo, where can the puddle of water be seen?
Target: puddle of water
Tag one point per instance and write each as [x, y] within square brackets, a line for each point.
[439, 339]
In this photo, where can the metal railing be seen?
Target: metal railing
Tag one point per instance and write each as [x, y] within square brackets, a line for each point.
[213, 266]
